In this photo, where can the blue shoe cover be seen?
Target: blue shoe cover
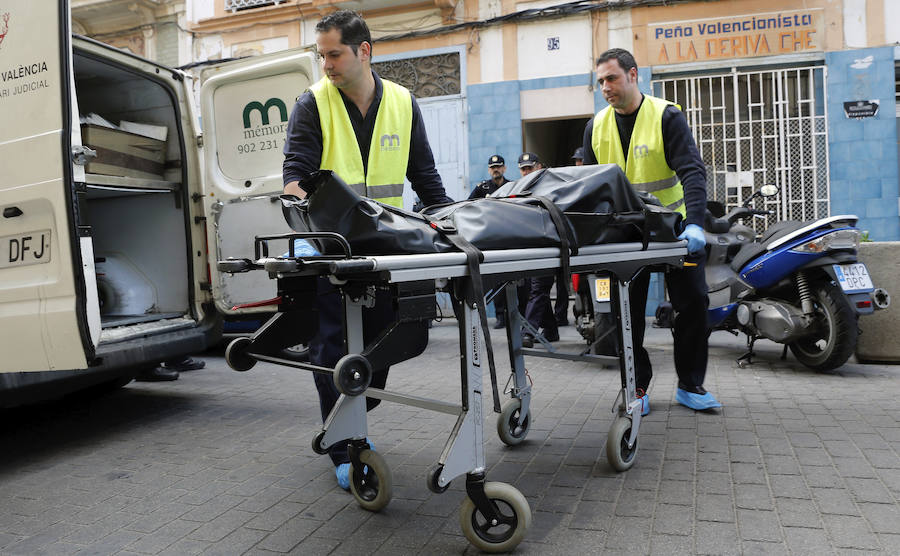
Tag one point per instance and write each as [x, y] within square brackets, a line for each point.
[645, 405]
[698, 402]
[342, 472]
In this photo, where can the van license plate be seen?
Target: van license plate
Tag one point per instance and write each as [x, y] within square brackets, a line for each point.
[853, 277]
[25, 249]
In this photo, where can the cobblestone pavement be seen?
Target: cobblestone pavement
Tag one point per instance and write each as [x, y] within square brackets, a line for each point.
[220, 462]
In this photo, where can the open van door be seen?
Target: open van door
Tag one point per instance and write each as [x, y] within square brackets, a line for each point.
[245, 106]
[46, 269]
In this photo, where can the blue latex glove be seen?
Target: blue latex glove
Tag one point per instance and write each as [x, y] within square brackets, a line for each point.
[695, 238]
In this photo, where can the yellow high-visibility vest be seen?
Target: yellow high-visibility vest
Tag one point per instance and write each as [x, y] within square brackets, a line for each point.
[646, 167]
[388, 152]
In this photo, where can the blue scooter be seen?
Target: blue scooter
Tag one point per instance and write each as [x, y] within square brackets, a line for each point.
[798, 284]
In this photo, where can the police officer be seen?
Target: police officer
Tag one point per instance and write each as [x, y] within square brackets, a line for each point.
[650, 140]
[538, 311]
[342, 123]
[496, 168]
[578, 156]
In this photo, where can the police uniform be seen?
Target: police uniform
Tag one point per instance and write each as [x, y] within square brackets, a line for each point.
[485, 188]
[538, 311]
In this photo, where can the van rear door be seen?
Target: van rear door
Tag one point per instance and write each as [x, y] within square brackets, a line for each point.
[245, 106]
[44, 315]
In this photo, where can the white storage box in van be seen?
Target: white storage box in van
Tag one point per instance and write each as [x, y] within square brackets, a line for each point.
[105, 269]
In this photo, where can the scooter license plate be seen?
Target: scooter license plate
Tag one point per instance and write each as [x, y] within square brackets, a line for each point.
[853, 277]
[25, 249]
[601, 289]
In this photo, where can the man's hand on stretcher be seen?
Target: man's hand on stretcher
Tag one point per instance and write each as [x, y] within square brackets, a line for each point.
[293, 188]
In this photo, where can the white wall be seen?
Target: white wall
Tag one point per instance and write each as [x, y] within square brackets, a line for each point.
[891, 22]
[855, 22]
[200, 9]
[572, 53]
[619, 30]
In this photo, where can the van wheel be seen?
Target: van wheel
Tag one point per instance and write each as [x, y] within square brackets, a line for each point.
[298, 353]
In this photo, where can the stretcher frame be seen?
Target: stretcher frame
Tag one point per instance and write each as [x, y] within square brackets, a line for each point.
[357, 277]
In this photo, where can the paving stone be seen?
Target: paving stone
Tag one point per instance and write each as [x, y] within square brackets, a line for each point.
[834, 501]
[716, 538]
[849, 532]
[715, 507]
[672, 520]
[756, 525]
[883, 518]
[753, 497]
[794, 512]
[807, 541]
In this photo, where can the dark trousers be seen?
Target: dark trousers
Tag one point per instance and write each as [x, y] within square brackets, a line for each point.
[687, 291]
[539, 313]
[327, 347]
[561, 309]
[522, 291]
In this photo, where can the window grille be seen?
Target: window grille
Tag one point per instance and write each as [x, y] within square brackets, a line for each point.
[235, 5]
[760, 127]
[425, 76]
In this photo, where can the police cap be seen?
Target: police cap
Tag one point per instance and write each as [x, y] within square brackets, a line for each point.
[528, 159]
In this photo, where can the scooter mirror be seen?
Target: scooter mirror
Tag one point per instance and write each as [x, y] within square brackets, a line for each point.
[768, 190]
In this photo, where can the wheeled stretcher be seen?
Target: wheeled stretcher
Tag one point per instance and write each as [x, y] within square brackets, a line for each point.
[495, 516]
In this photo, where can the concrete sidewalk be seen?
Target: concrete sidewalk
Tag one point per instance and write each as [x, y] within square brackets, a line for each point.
[220, 462]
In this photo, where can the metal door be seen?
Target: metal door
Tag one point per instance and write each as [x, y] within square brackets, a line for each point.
[445, 124]
[760, 127]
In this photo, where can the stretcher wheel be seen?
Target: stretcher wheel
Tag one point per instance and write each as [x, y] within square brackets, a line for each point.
[372, 485]
[352, 374]
[513, 524]
[508, 427]
[236, 355]
[619, 455]
[317, 443]
[433, 475]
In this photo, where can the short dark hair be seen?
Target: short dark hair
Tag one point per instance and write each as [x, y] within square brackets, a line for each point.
[625, 59]
[352, 26]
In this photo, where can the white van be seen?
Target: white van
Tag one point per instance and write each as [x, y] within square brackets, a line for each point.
[116, 203]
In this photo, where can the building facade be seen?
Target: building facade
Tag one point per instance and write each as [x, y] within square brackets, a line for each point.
[797, 93]
[153, 29]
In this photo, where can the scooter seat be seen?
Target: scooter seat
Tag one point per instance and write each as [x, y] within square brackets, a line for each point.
[752, 250]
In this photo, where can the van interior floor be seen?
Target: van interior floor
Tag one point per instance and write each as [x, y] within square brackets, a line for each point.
[125, 320]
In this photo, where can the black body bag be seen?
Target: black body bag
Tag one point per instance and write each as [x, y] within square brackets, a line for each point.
[568, 207]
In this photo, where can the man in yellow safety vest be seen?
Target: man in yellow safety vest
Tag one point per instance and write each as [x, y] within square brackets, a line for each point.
[370, 132]
[650, 140]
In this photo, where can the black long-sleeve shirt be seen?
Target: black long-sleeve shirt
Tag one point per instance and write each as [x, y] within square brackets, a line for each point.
[681, 155]
[303, 147]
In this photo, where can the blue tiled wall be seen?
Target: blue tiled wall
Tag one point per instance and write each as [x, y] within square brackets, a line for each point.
[494, 127]
[863, 152]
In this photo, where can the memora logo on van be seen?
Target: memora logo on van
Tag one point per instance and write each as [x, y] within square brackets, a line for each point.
[390, 142]
[5, 29]
[263, 110]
